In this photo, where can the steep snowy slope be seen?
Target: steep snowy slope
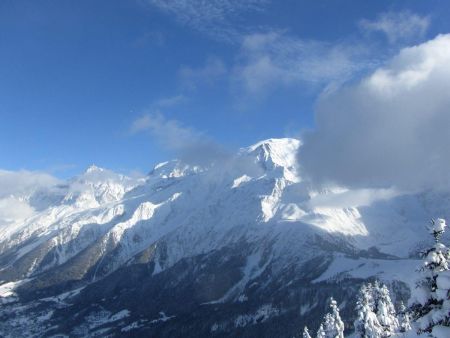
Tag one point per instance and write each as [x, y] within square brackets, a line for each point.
[244, 232]
[85, 202]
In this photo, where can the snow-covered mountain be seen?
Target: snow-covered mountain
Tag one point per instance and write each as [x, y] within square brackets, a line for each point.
[245, 248]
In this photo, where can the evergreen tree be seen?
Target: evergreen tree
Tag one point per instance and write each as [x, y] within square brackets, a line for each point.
[332, 325]
[431, 309]
[366, 323]
[321, 332]
[337, 325]
[306, 332]
[404, 319]
[385, 310]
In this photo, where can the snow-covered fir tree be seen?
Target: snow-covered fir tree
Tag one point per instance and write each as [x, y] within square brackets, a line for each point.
[431, 309]
[404, 318]
[376, 315]
[366, 323]
[384, 309]
[332, 325]
[306, 332]
[337, 325]
[321, 332]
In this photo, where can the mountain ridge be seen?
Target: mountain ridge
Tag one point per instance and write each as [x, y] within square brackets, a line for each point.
[254, 209]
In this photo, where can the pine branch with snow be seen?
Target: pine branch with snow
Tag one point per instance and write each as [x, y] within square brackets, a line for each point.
[431, 309]
[306, 332]
[321, 332]
[404, 318]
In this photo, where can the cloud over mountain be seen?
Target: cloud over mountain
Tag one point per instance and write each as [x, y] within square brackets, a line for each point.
[390, 129]
[15, 188]
[189, 145]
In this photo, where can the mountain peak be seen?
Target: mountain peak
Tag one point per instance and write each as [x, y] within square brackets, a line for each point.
[275, 143]
[93, 169]
[276, 153]
[173, 169]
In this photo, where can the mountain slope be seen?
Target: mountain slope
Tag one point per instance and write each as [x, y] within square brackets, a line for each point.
[236, 248]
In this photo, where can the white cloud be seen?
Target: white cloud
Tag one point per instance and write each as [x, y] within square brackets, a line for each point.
[275, 59]
[351, 198]
[213, 70]
[13, 209]
[15, 189]
[142, 123]
[167, 102]
[18, 183]
[398, 26]
[219, 19]
[189, 145]
[390, 129]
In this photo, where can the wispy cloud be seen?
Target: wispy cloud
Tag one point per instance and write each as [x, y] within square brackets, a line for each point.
[213, 70]
[219, 19]
[189, 145]
[398, 26]
[168, 102]
[141, 124]
[276, 59]
[351, 198]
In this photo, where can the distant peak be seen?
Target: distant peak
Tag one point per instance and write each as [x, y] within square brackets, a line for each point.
[93, 169]
[273, 154]
[275, 142]
[174, 168]
[165, 164]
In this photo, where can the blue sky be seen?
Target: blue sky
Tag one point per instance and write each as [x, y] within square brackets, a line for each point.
[85, 82]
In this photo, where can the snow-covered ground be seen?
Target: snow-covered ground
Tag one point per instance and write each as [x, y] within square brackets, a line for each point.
[383, 269]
